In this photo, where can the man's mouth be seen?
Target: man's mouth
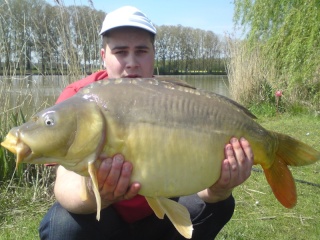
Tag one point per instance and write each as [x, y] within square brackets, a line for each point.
[132, 76]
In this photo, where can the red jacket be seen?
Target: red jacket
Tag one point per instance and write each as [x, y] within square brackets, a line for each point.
[130, 210]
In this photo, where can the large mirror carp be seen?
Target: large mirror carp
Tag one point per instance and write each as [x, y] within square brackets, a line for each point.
[173, 134]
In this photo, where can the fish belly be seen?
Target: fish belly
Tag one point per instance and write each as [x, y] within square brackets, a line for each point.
[173, 161]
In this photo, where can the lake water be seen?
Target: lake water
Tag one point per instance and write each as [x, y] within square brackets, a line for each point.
[214, 83]
[33, 93]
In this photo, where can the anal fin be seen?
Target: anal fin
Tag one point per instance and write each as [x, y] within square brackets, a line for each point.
[156, 207]
[177, 213]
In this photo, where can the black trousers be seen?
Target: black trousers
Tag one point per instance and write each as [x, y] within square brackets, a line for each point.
[207, 219]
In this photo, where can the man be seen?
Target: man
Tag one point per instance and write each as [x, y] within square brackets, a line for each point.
[128, 52]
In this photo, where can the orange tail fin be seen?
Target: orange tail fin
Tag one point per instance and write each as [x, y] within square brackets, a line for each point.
[293, 153]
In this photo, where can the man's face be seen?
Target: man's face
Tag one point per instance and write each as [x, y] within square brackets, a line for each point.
[128, 53]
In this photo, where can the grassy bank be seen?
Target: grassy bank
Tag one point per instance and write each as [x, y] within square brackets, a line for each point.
[258, 215]
[22, 211]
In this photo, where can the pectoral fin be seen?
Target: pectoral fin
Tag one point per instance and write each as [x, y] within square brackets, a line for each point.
[177, 213]
[93, 174]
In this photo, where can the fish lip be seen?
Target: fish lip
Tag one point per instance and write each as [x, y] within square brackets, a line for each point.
[14, 144]
[10, 142]
[24, 153]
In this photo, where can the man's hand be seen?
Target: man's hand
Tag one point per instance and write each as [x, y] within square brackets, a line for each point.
[114, 180]
[114, 185]
[236, 168]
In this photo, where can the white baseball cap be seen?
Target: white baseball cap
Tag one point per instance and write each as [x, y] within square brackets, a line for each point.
[127, 16]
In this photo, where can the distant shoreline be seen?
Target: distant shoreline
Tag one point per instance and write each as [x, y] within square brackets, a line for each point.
[28, 73]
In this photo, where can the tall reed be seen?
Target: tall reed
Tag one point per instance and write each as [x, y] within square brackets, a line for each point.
[20, 98]
[250, 78]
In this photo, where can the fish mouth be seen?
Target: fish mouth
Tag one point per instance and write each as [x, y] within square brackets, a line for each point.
[17, 147]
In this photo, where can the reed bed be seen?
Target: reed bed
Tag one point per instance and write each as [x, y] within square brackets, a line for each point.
[27, 190]
[20, 99]
[250, 79]
[254, 80]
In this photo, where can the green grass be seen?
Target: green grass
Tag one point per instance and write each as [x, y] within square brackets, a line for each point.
[258, 215]
[22, 211]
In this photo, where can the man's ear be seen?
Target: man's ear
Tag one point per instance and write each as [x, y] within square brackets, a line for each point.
[102, 54]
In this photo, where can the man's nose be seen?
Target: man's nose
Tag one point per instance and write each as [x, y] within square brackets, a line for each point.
[132, 61]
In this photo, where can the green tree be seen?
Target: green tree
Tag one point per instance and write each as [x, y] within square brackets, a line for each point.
[63, 39]
[184, 49]
[86, 23]
[5, 37]
[287, 34]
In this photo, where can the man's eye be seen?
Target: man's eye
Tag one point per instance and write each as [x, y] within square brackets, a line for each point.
[120, 52]
[142, 51]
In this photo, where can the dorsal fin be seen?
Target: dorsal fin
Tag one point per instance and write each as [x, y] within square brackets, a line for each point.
[236, 104]
[175, 81]
[225, 99]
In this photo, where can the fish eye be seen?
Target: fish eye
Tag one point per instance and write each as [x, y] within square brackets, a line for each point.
[49, 122]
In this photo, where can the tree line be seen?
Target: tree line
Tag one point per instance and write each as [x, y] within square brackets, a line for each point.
[38, 37]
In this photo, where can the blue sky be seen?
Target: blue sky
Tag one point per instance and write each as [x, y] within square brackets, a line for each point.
[213, 15]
